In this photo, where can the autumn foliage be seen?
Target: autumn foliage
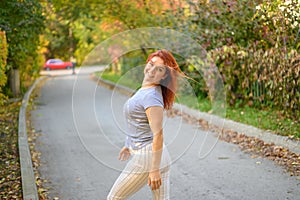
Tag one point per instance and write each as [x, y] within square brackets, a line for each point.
[3, 57]
[255, 45]
[261, 78]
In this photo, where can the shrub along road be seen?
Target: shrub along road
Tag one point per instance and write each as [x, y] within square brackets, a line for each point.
[80, 134]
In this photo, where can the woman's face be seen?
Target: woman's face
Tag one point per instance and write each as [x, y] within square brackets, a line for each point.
[155, 71]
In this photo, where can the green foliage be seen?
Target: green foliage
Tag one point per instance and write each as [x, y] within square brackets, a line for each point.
[73, 29]
[255, 45]
[59, 37]
[197, 82]
[23, 22]
[76, 28]
[133, 59]
[3, 57]
[261, 78]
[134, 14]
[218, 23]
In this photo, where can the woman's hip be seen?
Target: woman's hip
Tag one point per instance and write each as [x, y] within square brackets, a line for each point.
[143, 157]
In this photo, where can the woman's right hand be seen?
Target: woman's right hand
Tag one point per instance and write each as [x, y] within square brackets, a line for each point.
[124, 153]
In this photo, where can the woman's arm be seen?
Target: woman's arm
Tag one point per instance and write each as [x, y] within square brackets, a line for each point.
[155, 118]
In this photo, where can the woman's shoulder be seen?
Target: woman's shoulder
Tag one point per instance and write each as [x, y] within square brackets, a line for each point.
[152, 91]
[152, 97]
[153, 94]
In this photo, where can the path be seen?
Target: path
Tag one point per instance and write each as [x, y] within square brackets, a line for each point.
[80, 125]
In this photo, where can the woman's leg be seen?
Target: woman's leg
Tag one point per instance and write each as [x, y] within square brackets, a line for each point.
[132, 179]
[136, 173]
[127, 184]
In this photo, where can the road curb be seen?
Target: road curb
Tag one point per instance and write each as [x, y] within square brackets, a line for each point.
[222, 123]
[28, 180]
[240, 128]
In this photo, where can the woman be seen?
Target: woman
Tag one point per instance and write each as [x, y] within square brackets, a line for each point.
[144, 116]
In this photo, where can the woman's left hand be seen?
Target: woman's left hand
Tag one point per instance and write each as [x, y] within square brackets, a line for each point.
[154, 179]
[124, 153]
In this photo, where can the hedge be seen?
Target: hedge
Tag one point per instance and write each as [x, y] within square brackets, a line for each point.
[261, 77]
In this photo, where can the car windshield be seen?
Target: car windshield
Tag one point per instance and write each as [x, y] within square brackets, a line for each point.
[56, 61]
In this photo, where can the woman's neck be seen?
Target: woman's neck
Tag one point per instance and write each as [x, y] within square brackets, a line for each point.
[148, 85]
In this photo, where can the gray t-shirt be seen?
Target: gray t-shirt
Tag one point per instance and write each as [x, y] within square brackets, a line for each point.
[138, 130]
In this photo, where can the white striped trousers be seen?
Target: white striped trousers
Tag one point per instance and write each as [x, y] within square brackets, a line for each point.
[135, 175]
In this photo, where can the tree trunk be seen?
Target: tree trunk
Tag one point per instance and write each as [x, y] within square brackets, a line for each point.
[14, 82]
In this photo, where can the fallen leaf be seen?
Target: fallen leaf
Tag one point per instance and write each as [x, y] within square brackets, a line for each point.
[223, 158]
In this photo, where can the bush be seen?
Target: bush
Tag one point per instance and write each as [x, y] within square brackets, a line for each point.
[261, 78]
[3, 57]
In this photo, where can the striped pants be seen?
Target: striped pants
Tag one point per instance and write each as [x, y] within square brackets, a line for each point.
[135, 175]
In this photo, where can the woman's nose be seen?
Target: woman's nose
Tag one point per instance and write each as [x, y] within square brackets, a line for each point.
[152, 70]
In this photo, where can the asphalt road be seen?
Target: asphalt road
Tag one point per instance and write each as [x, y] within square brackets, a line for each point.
[80, 125]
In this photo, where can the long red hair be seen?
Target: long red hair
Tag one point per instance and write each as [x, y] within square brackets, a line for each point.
[169, 84]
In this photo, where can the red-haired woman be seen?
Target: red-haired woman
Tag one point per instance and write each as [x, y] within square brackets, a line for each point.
[150, 160]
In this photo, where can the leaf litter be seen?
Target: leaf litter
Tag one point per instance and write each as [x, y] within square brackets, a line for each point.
[10, 173]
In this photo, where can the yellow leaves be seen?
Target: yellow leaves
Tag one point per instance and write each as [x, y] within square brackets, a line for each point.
[10, 168]
[278, 12]
[3, 58]
[258, 148]
[242, 54]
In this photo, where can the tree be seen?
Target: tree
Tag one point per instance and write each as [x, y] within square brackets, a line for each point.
[23, 22]
[75, 28]
[61, 23]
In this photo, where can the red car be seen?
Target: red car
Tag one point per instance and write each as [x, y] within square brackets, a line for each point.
[57, 64]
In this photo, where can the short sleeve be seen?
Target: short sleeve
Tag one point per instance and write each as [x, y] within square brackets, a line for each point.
[152, 99]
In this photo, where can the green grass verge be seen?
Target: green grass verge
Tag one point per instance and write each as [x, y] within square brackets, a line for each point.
[118, 79]
[266, 119]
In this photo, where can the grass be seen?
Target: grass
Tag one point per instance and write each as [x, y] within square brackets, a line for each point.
[192, 102]
[266, 119]
[130, 83]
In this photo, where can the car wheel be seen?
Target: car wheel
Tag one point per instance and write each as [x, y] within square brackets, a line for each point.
[48, 68]
[68, 67]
